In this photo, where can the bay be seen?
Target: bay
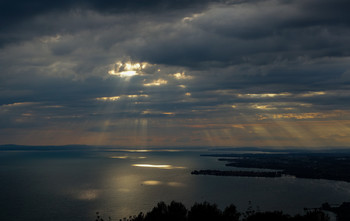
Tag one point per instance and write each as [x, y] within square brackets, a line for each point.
[75, 183]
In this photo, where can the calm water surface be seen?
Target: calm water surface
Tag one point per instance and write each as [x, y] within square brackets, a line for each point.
[74, 184]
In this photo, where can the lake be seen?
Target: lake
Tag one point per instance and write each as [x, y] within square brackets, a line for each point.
[74, 183]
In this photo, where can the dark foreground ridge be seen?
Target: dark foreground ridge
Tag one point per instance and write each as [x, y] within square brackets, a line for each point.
[176, 211]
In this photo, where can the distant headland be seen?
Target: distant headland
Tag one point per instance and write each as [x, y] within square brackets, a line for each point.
[312, 165]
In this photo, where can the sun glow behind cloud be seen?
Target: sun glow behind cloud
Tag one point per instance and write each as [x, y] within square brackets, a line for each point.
[157, 82]
[115, 98]
[128, 69]
[181, 76]
[266, 95]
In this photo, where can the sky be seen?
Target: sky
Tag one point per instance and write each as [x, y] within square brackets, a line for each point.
[174, 73]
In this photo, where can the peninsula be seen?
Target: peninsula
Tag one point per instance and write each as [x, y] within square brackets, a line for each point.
[329, 166]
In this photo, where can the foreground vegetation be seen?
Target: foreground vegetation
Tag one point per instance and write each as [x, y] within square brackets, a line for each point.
[205, 211]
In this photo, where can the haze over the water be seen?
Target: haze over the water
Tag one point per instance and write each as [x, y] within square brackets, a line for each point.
[175, 73]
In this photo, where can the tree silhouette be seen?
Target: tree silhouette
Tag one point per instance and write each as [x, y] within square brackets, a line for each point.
[158, 213]
[230, 213]
[204, 212]
[316, 215]
[177, 211]
[268, 216]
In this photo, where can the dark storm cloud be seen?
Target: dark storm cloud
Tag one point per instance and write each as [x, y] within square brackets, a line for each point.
[256, 33]
[16, 14]
[226, 34]
[19, 10]
[227, 61]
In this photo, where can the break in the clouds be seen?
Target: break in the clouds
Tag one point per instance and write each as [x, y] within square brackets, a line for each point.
[175, 73]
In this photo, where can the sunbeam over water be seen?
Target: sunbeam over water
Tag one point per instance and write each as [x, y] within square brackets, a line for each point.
[106, 106]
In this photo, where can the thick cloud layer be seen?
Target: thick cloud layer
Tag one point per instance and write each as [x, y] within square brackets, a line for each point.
[220, 73]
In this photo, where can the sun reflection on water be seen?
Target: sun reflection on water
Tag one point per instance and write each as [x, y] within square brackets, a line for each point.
[136, 150]
[151, 182]
[119, 157]
[175, 184]
[89, 194]
[159, 166]
[126, 157]
[157, 182]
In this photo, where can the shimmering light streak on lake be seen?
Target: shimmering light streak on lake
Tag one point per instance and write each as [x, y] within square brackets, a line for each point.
[158, 166]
